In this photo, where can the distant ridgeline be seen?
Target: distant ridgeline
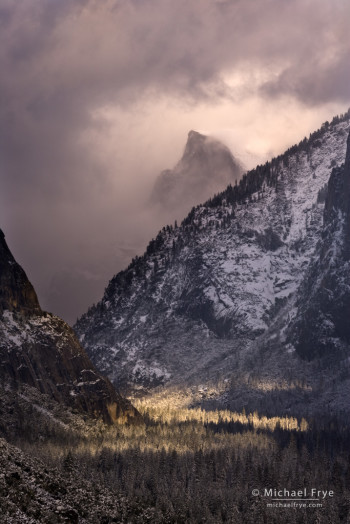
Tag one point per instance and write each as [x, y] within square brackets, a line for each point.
[267, 173]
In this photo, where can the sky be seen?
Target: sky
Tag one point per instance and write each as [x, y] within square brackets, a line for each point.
[97, 97]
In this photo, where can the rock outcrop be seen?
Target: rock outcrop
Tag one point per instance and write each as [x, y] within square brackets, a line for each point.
[41, 350]
[206, 167]
[322, 327]
[16, 292]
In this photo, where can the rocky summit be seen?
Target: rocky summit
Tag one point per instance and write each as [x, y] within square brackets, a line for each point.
[206, 167]
[16, 292]
[40, 350]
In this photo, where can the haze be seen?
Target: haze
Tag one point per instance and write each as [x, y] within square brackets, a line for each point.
[98, 97]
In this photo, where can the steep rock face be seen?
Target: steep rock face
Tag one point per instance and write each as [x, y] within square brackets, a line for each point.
[206, 167]
[216, 295]
[16, 292]
[322, 325]
[41, 350]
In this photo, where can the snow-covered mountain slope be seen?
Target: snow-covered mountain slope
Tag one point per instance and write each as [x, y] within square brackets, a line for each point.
[33, 492]
[41, 350]
[206, 167]
[324, 298]
[215, 296]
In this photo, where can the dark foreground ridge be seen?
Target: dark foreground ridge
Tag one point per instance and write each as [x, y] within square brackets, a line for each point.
[40, 350]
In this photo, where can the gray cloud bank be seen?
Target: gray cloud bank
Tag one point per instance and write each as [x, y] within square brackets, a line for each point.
[73, 182]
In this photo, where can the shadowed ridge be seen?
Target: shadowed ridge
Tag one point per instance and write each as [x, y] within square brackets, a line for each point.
[41, 350]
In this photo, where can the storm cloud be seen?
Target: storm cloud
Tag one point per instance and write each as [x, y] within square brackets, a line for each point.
[98, 97]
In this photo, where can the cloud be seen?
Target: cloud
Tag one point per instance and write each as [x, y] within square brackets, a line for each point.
[320, 71]
[91, 52]
[96, 98]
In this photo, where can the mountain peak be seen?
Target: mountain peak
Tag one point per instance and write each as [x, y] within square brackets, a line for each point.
[206, 167]
[195, 136]
[16, 292]
[198, 143]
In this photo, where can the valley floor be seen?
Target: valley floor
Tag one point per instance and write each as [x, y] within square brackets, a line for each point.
[183, 465]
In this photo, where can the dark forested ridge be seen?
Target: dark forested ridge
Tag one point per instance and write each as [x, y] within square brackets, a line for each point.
[182, 466]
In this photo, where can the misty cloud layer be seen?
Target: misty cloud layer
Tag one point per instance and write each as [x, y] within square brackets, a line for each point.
[98, 97]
